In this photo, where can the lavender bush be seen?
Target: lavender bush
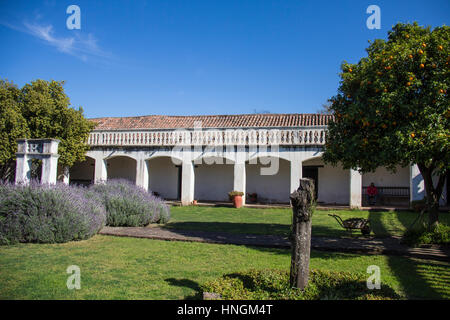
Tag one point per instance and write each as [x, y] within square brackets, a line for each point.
[48, 213]
[129, 205]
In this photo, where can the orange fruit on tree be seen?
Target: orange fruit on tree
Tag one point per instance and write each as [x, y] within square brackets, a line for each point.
[410, 56]
[412, 135]
[440, 48]
[420, 51]
[424, 45]
[408, 84]
[422, 66]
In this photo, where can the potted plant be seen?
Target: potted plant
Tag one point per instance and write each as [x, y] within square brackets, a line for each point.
[236, 198]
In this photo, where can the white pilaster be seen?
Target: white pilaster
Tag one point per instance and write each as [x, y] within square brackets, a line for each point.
[49, 169]
[355, 189]
[239, 183]
[296, 171]
[142, 173]
[187, 182]
[23, 172]
[100, 173]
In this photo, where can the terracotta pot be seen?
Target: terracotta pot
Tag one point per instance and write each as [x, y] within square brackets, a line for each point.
[194, 202]
[237, 201]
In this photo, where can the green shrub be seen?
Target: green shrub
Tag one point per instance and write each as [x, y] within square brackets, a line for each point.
[274, 284]
[421, 235]
[129, 205]
[48, 213]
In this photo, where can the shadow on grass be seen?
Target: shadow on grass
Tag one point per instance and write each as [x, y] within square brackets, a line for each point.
[187, 283]
[256, 228]
[416, 277]
[231, 227]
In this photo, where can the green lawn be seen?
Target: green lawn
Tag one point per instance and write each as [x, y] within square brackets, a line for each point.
[278, 221]
[129, 268]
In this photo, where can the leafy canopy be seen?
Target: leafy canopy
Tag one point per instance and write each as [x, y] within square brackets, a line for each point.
[392, 107]
[41, 109]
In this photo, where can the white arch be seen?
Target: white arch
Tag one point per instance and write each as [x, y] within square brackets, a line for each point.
[210, 155]
[266, 155]
[165, 154]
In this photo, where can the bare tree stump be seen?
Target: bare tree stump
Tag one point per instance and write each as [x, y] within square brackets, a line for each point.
[302, 208]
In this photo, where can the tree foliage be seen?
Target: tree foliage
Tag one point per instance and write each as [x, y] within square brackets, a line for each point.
[12, 126]
[41, 109]
[392, 107]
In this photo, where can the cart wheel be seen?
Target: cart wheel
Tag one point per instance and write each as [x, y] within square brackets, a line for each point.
[366, 230]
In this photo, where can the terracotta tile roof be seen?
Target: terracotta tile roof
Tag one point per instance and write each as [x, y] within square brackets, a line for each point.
[214, 121]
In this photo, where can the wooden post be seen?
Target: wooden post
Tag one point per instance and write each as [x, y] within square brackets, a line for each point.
[302, 208]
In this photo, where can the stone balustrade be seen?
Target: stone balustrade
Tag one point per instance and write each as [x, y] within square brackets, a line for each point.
[281, 137]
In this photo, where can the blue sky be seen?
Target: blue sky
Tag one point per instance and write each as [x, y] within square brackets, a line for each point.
[196, 57]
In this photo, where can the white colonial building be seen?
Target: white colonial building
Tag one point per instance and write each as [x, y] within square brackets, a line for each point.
[204, 157]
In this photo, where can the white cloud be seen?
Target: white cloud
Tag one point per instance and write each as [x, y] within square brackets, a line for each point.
[81, 46]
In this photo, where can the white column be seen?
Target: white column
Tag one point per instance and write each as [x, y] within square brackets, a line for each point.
[416, 184]
[355, 189]
[187, 182]
[23, 172]
[296, 171]
[142, 173]
[100, 173]
[239, 183]
[49, 169]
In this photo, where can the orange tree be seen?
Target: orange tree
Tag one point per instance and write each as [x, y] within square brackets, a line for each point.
[392, 108]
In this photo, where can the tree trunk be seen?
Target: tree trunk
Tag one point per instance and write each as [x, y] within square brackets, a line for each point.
[433, 194]
[301, 201]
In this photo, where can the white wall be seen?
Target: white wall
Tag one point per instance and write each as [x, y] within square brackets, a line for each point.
[163, 177]
[270, 188]
[121, 167]
[213, 181]
[384, 178]
[333, 182]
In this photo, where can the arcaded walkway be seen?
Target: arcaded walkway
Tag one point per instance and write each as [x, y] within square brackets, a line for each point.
[388, 246]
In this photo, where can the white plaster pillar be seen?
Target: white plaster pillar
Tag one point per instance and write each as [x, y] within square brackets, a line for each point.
[239, 183]
[23, 166]
[187, 182]
[355, 189]
[49, 169]
[100, 172]
[416, 184]
[142, 173]
[296, 171]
